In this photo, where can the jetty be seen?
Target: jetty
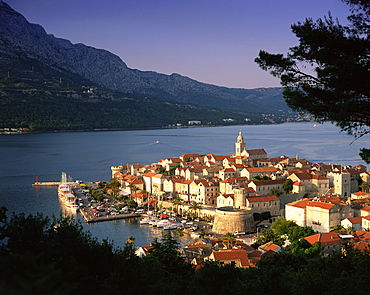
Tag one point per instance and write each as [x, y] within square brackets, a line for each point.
[90, 218]
[52, 183]
[64, 180]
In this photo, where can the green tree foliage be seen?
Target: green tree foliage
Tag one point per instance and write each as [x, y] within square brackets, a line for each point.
[129, 248]
[229, 240]
[176, 202]
[194, 208]
[39, 255]
[96, 194]
[327, 73]
[288, 186]
[365, 186]
[282, 226]
[167, 254]
[266, 236]
[283, 229]
[257, 178]
[303, 247]
[114, 185]
[275, 191]
[299, 232]
[218, 279]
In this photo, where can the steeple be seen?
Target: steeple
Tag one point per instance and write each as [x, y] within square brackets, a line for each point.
[240, 145]
[240, 137]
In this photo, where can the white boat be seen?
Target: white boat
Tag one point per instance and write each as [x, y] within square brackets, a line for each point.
[147, 220]
[63, 189]
[154, 222]
[170, 226]
[70, 202]
[163, 223]
[68, 199]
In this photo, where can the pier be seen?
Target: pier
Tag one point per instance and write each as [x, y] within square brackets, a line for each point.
[52, 183]
[90, 218]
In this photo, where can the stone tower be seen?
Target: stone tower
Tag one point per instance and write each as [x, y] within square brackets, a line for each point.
[239, 144]
[239, 198]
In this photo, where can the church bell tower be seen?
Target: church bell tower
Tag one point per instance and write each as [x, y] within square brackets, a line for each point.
[239, 144]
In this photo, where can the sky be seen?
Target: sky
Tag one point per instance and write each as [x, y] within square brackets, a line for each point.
[211, 41]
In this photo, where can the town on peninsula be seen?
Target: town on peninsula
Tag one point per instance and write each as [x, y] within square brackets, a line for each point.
[245, 194]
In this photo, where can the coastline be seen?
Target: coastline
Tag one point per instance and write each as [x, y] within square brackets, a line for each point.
[144, 128]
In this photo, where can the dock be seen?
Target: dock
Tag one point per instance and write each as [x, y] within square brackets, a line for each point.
[90, 218]
[52, 183]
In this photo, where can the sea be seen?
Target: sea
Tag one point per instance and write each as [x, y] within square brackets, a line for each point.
[88, 156]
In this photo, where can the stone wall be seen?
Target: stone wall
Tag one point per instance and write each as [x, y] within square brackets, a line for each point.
[229, 219]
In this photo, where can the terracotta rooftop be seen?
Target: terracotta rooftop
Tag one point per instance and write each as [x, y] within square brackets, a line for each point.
[261, 169]
[322, 205]
[232, 255]
[262, 198]
[149, 174]
[300, 204]
[330, 238]
[355, 219]
[362, 246]
[366, 208]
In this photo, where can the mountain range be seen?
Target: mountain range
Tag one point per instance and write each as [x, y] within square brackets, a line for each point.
[30, 55]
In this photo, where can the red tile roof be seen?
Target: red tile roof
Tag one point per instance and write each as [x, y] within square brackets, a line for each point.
[366, 217]
[355, 219]
[232, 255]
[330, 238]
[362, 246]
[322, 205]
[366, 208]
[149, 174]
[300, 204]
[262, 198]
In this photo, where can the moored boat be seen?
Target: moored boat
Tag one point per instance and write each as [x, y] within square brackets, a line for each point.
[70, 201]
[147, 220]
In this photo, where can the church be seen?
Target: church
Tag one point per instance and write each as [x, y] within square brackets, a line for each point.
[247, 156]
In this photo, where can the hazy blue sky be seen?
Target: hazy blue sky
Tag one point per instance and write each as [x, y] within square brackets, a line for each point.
[212, 41]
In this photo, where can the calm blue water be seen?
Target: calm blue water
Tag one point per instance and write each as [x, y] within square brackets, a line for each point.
[88, 156]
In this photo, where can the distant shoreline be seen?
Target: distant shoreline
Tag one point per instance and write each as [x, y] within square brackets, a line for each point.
[138, 128]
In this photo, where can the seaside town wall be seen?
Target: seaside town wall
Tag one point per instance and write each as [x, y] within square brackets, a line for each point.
[229, 219]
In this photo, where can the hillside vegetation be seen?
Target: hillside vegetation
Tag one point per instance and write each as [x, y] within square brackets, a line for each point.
[48, 83]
